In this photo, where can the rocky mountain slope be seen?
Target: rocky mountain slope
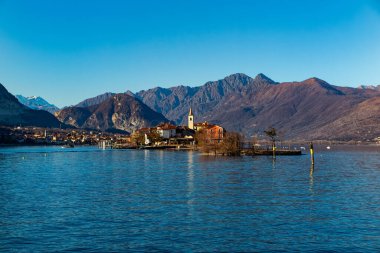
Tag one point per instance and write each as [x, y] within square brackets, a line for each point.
[117, 112]
[13, 113]
[362, 121]
[95, 100]
[311, 109]
[37, 103]
[175, 102]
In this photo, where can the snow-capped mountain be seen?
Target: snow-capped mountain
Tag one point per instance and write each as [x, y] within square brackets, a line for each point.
[370, 87]
[37, 103]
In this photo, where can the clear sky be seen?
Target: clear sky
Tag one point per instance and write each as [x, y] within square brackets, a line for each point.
[69, 50]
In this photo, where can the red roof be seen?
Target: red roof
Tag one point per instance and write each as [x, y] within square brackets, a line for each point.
[166, 126]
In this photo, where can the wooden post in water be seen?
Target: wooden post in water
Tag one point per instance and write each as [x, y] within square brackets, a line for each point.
[312, 153]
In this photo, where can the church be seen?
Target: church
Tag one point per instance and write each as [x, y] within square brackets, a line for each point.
[213, 132]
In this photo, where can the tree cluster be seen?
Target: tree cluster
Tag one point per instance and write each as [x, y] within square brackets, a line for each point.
[230, 145]
[138, 138]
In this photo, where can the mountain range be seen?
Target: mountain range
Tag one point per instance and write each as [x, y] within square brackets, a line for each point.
[13, 113]
[310, 109]
[37, 103]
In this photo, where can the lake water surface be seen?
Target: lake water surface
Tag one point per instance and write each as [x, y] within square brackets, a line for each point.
[90, 200]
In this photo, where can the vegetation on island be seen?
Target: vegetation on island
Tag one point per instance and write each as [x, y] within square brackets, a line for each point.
[229, 146]
[139, 139]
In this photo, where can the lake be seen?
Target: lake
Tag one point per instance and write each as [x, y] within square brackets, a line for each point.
[90, 200]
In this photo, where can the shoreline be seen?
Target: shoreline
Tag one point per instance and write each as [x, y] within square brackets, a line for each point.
[316, 143]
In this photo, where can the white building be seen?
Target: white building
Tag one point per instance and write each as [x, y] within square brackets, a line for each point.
[166, 130]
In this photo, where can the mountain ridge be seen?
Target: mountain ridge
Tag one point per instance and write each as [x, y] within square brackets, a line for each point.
[209, 95]
[248, 98]
[249, 105]
[118, 112]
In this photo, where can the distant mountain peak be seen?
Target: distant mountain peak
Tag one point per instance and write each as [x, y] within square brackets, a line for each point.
[323, 84]
[369, 87]
[236, 79]
[130, 93]
[237, 75]
[317, 80]
[263, 78]
[37, 103]
[95, 100]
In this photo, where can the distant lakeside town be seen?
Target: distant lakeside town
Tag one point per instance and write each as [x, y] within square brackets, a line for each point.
[160, 135]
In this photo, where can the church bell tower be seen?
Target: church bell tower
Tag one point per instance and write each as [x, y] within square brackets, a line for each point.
[190, 119]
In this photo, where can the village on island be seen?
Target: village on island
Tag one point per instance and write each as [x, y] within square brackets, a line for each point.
[167, 135]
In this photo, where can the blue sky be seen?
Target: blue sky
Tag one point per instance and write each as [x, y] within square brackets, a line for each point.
[66, 51]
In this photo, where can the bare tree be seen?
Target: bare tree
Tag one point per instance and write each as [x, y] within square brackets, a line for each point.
[202, 141]
[137, 139]
[272, 134]
[231, 144]
[205, 143]
[154, 136]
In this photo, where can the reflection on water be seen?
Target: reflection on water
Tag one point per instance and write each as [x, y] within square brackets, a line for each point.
[151, 200]
[190, 173]
[190, 182]
[311, 179]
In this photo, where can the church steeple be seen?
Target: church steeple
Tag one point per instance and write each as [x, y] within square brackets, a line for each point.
[190, 119]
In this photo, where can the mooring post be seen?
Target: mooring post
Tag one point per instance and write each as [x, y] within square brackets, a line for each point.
[312, 153]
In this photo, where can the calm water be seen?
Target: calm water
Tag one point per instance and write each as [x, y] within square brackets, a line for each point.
[90, 200]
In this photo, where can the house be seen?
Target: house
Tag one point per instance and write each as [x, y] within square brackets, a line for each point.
[200, 126]
[215, 133]
[184, 135]
[166, 130]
